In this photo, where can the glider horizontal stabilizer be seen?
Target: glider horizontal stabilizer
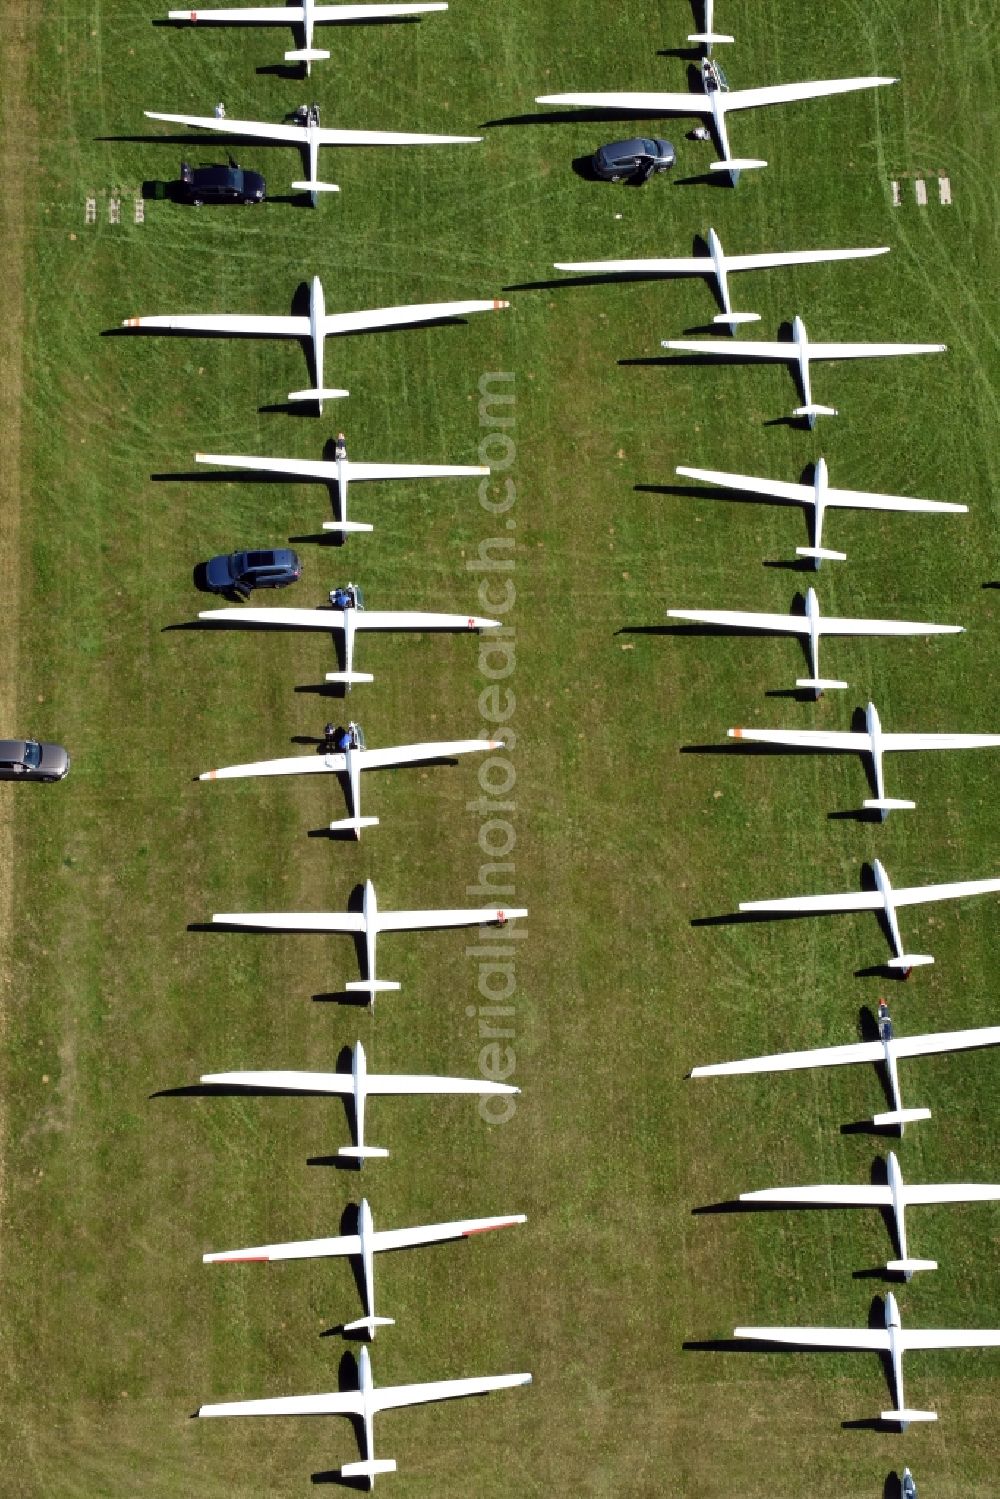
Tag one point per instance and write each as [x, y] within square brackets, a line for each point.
[904, 1417]
[821, 684]
[899, 1117]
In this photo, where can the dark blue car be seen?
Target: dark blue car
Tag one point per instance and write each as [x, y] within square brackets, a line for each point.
[634, 160]
[220, 184]
[242, 572]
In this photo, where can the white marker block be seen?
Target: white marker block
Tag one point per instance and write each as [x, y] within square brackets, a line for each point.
[90, 214]
[944, 190]
[920, 188]
[896, 200]
[140, 211]
[114, 210]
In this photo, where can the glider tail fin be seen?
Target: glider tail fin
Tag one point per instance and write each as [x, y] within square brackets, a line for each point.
[319, 396]
[908, 960]
[368, 1324]
[709, 38]
[349, 678]
[812, 411]
[900, 1117]
[353, 825]
[736, 164]
[307, 54]
[316, 187]
[819, 684]
[904, 1416]
[910, 1267]
[886, 804]
[731, 319]
[362, 1153]
[368, 1469]
[347, 525]
[821, 554]
[371, 987]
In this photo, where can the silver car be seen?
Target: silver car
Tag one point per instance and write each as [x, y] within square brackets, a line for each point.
[32, 760]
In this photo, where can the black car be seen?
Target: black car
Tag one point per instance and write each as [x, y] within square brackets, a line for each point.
[242, 572]
[230, 184]
[635, 159]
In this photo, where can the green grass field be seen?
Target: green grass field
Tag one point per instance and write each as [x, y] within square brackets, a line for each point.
[113, 1330]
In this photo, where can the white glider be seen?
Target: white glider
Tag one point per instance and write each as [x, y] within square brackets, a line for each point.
[873, 743]
[343, 471]
[715, 103]
[350, 763]
[895, 1196]
[359, 1085]
[819, 496]
[368, 922]
[709, 36]
[886, 1050]
[350, 618]
[364, 1245]
[315, 327]
[883, 899]
[307, 15]
[364, 1404]
[800, 352]
[812, 625]
[891, 1340]
[717, 266]
[308, 137]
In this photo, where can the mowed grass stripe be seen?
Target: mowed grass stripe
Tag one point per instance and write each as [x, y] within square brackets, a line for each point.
[18, 123]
